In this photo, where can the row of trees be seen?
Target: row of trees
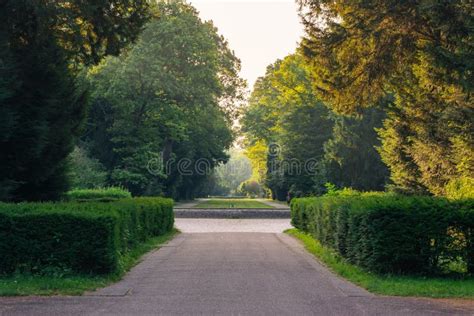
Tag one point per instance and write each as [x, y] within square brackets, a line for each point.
[297, 144]
[112, 93]
[404, 69]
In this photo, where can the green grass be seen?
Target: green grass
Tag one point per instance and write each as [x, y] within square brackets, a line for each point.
[438, 287]
[18, 285]
[232, 203]
[278, 202]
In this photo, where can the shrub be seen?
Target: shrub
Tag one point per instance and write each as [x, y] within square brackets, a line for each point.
[85, 237]
[101, 194]
[86, 172]
[251, 188]
[389, 233]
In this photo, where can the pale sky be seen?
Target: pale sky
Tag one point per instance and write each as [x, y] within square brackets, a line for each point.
[258, 31]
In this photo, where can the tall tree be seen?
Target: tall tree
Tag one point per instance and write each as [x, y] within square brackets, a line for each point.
[172, 96]
[420, 51]
[42, 46]
[350, 156]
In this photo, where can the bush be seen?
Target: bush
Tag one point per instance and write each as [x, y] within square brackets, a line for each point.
[86, 172]
[251, 188]
[389, 233]
[101, 194]
[85, 237]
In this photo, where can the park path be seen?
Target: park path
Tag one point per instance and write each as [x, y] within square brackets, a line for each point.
[229, 270]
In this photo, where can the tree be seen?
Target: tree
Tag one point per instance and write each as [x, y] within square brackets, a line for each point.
[350, 156]
[231, 174]
[285, 114]
[86, 172]
[257, 154]
[419, 51]
[252, 189]
[43, 44]
[170, 97]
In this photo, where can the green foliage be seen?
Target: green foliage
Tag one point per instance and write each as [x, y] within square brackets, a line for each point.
[307, 145]
[78, 237]
[252, 188]
[427, 143]
[62, 283]
[388, 233]
[43, 118]
[172, 96]
[285, 115]
[232, 203]
[462, 188]
[350, 156]
[332, 190]
[229, 176]
[42, 46]
[109, 193]
[422, 53]
[86, 172]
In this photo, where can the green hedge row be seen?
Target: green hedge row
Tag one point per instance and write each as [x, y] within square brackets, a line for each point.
[99, 195]
[87, 237]
[387, 233]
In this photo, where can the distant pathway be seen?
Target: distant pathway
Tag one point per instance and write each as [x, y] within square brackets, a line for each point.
[219, 225]
[239, 273]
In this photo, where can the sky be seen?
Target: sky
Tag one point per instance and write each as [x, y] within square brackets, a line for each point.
[258, 31]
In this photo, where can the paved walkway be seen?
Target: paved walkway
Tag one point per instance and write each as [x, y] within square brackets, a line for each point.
[229, 273]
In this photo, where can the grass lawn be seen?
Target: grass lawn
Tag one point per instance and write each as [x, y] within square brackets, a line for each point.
[232, 203]
[75, 284]
[278, 202]
[387, 285]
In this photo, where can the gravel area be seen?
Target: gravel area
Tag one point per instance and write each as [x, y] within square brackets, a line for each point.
[231, 213]
[215, 225]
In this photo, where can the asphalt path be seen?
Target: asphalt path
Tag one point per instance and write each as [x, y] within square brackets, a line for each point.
[230, 272]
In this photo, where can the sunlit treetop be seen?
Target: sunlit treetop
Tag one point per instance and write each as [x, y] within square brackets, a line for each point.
[361, 50]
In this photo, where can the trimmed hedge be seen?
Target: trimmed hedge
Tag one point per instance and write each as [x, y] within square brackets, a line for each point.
[387, 233]
[98, 195]
[87, 237]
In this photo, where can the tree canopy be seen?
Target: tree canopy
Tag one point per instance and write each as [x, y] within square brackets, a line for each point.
[170, 98]
[284, 114]
[147, 96]
[43, 44]
[297, 145]
[420, 52]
